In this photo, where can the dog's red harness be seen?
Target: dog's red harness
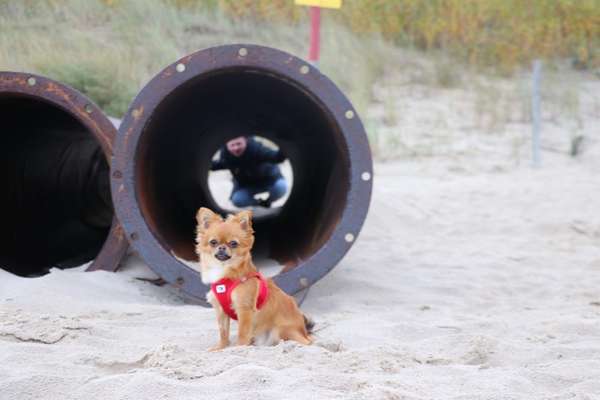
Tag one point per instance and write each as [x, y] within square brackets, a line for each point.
[223, 288]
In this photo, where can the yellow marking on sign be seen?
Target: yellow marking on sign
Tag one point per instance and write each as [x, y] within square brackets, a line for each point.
[320, 3]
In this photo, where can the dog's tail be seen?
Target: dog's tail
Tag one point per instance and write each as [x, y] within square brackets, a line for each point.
[309, 324]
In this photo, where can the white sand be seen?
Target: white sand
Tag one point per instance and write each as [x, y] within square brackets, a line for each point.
[462, 285]
[472, 279]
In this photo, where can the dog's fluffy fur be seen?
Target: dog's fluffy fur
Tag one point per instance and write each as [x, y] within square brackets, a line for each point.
[279, 318]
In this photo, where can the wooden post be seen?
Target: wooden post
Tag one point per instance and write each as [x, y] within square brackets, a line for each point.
[536, 113]
[314, 52]
[315, 35]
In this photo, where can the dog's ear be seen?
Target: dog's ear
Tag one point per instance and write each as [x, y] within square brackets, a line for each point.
[244, 218]
[206, 218]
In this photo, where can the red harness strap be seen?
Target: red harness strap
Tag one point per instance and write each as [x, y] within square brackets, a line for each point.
[223, 288]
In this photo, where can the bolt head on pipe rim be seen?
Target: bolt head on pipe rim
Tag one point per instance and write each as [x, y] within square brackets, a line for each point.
[234, 66]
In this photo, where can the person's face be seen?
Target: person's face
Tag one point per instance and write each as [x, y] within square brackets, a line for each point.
[237, 146]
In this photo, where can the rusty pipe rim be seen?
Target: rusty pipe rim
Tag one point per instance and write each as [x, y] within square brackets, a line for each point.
[269, 61]
[91, 117]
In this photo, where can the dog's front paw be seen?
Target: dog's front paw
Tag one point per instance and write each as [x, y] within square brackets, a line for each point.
[245, 342]
[218, 347]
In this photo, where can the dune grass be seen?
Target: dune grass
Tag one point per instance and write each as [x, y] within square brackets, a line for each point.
[502, 34]
[109, 49]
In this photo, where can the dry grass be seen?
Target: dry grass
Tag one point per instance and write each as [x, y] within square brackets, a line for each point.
[109, 49]
[499, 33]
[424, 105]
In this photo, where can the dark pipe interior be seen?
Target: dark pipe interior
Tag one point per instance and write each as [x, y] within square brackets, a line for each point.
[55, 205]
[176, 145]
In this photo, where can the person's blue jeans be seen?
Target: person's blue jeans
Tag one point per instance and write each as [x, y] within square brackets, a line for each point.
[243, 196]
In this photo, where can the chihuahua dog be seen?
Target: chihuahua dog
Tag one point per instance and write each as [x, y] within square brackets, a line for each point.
[265, 313]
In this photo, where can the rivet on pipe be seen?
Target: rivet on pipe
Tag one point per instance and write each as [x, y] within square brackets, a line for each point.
[349, 237]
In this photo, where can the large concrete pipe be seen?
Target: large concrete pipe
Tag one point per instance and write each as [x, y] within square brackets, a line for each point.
[184, 114]
[55, 204]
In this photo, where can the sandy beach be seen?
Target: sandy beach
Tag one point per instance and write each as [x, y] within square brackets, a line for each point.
[476, 276]
[473, 283]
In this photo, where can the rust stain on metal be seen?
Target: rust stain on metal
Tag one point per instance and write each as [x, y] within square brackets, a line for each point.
[8, 81]
[60, 92]
[127, 136]
[119, 233]
[137, 112]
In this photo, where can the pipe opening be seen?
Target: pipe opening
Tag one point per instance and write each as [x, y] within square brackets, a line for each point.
[55, 206]
[267, 184]
[174, 152]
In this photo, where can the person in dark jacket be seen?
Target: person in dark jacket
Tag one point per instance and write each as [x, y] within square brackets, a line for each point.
[254, 169]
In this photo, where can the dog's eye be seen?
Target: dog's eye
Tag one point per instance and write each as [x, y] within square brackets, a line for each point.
[213, 242]
[233, 244]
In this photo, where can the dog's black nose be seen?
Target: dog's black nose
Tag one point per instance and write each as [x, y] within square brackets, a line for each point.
[222, 249]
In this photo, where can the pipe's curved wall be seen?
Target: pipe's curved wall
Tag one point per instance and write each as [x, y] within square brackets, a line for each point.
[177, 144]
[56, 208]
[190, 109]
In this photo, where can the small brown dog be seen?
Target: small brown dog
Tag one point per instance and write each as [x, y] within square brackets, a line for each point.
[265, 313]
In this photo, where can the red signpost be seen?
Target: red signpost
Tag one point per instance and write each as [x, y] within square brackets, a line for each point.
[315, 35]
[314, 52]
